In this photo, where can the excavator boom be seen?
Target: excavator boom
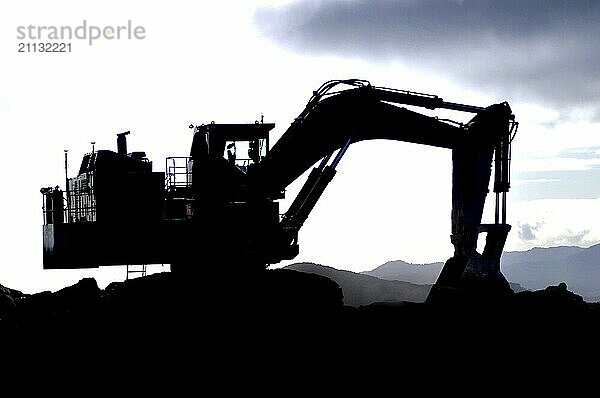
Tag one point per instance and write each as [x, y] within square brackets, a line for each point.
[365, 113]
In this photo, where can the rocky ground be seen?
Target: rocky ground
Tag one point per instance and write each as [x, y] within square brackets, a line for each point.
[290, 329]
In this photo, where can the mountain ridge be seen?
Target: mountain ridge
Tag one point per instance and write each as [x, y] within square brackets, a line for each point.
[533, 269]
[359, 289]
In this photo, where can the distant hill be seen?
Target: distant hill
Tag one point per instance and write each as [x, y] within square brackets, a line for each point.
[359, 289]
[423, 274]
[533, 269]
[537, 268]
[398, 270]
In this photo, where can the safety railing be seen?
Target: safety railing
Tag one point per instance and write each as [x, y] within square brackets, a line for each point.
[178, 172]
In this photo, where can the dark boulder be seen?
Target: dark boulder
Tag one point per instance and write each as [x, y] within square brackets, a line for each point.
[8, 299]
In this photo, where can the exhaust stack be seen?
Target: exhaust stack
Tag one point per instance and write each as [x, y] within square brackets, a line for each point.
[122, 143]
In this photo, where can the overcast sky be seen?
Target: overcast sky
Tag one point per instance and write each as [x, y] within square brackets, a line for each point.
[546, 51]
[233, 60]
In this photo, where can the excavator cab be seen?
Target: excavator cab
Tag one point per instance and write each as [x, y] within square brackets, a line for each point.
[223, 154]
[231, 211]
[220, 158]
[246, 145]
[242, 145]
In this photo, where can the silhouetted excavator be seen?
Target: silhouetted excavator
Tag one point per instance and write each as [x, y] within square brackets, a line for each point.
[220, 204]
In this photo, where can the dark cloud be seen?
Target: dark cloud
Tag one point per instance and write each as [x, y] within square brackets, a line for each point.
[547, 51]
[569, 238]
[527, 231]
